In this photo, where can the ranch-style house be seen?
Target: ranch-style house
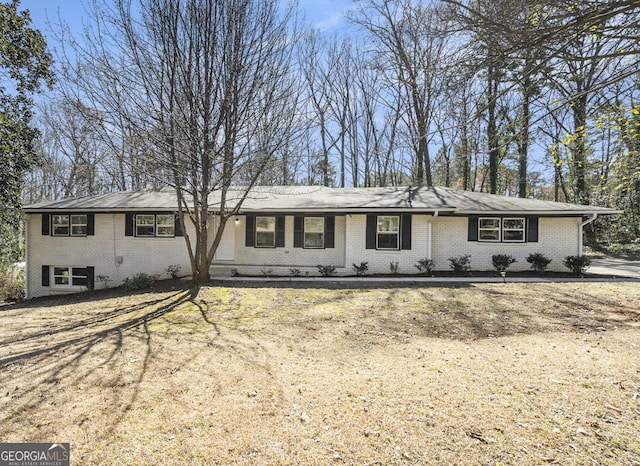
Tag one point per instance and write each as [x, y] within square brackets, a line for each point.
[78, 244]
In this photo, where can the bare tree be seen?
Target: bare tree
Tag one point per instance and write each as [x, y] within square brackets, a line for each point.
[410, 46]
[208, 84]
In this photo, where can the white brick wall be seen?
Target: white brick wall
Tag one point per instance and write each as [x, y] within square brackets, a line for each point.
[149, 255]
[379, 261]
[557, 238]
[281, 260]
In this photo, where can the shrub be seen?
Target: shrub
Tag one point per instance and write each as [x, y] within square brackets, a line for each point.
[539, 262]
[393, 267]
[425, 265]
[173, 270]
[577, 264]
[294, 272]
[501, 262]
[137, 282]
[266, 272]
[460, 264]
[11, 286]
[326, 270]
[361, 269]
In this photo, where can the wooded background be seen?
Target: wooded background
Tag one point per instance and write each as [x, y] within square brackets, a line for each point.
[515, 97]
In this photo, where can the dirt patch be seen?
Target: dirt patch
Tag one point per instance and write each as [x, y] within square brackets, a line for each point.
[461, 374]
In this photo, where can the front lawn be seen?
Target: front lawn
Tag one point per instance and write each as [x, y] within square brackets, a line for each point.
[465, 374]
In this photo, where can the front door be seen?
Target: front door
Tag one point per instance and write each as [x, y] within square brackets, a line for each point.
[227, 248]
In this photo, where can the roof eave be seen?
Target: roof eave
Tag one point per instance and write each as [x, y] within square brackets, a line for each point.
[555, 213]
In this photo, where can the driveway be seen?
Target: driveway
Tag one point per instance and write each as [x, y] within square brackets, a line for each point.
[615, 267]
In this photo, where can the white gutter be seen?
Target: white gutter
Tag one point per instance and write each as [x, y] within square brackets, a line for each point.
[591, 218]
[430, 223]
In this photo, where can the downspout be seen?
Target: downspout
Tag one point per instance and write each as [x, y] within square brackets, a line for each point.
[591, 218]
[430, 223]
[27, 262]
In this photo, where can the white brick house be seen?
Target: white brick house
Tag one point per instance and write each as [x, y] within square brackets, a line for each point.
[76, 244]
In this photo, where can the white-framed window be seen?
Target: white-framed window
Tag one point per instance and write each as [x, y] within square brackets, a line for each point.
[513, 230]
[265, 232]
[155, 225]
[495, 229]
[488, 229]
[388, 232]
[314, 232]
[79, 225]
[69, 224]
[165, 225]
[69, 276]
[145, 224]
[60, 225]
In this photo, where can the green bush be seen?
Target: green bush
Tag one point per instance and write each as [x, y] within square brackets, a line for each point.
[425, 265]
[501, 262]
[393, 267]
[460, 264]
[361, 269]
[137, 282]
[173, 270]
[326, 270]
[539, 262]
[577, 264]
[11, 285]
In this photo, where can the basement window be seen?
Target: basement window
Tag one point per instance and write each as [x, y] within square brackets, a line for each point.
[69, 276]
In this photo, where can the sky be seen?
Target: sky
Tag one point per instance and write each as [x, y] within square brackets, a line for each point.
[322, 14]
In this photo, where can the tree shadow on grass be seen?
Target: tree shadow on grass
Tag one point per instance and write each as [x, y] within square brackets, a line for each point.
[67, 355]
[459, 315]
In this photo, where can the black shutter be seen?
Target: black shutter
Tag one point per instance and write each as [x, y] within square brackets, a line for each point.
[473, 228]
[177, 228]
[372, 228]
[91, 225]
[46, 222]
[532, 230]
[405, 229]
[280, 231]
[45, 275]
[298, 222]
[250, 228]
[90, 278]
[330, 232]
[129, 218]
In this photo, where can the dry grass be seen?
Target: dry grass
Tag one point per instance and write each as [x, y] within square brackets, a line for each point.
[474, 374]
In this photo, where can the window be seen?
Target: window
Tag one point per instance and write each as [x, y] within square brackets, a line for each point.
[489, 229]
[145, 225]
[388, 231]
[150, 225]
[70, 276]
[78, 225]
[314, 232]
[509, 230]
[265, 232]
[160, 225]
[69, 225]
[513, 229]
[165, 225]
[60, 225]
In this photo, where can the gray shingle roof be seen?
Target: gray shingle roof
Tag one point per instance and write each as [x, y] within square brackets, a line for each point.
[320, 198]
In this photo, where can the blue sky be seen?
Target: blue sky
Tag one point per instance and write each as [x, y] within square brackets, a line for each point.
[322, 14]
